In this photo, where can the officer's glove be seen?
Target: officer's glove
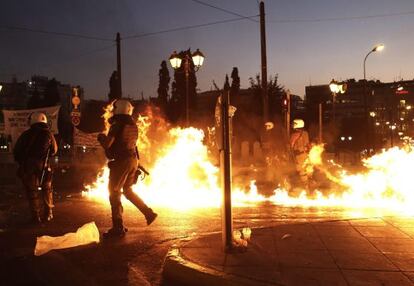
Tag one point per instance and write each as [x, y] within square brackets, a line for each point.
[101, 138]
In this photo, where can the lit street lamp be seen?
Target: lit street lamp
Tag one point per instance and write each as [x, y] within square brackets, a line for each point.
[198, 58]
[377, 48]
[335, 88]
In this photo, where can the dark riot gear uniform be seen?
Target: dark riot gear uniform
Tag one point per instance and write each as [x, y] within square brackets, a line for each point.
[120, 148]
[30, 151]
[299, 142]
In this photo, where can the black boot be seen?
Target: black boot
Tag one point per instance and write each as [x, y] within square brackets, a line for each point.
[36, 218]
[115, 233]
[151, 217]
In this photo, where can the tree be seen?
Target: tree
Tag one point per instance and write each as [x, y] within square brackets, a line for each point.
[178, 90]
[173, 108]
[226, 83]
[51, 95]
[235, 82]
[275, 93]
[164, 80]
[114, 87]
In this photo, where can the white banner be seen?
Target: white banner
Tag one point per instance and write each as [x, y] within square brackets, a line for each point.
[17, 121]
[85, 139]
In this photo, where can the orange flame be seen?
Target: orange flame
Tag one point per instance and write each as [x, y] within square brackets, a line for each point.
[107, 114]
[385, 184]
[183, 177]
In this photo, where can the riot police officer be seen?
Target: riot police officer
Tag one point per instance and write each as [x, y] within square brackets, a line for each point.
[299, 144]
[120, 149]
[32, 151]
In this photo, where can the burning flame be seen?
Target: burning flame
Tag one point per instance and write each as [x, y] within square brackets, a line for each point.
[107, 114]
[385, 183]
[183, 176]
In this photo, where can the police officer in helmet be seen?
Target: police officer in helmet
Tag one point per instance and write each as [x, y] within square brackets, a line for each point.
[120, 149]
[31, 152]
[299, 143]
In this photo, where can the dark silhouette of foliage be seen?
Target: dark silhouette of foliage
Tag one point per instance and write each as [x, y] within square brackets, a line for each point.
[177, 104]
[275, 93]
[174, 107]
[51, 96]
[226, 83]
[114, 87]
[235, 82]
[164, 80]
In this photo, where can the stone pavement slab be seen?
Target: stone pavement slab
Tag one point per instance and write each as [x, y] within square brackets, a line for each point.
[353, 244]
[381, 231]
[384, 244]
[371, 251]
[376, 278]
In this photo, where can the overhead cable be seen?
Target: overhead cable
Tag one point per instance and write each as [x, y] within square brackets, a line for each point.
[188, 27]
[64, 34]
[223, 10]
[341, 18]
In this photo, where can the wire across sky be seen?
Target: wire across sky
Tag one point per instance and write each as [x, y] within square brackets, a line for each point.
[329, 35]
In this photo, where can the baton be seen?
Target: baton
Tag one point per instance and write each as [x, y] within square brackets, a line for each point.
[42, 178]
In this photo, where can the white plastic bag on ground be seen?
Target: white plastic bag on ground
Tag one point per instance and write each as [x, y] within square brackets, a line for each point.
[86, 234]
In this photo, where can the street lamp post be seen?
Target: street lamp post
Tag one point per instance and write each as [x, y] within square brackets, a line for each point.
[333, 86]
[377, 48]
[336, 88]
[198, 58]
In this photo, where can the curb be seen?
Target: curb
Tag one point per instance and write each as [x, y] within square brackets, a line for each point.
[179, 271]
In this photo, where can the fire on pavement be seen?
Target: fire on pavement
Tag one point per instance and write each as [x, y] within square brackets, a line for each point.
[184, 177]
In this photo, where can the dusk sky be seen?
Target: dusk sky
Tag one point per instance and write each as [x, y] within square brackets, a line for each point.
[308, 41]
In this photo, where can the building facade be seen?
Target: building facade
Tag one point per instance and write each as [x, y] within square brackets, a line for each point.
[369, 114]
[36, 93]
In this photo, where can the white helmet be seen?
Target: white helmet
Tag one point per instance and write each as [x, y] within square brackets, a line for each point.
[123, 106]
[269, 125]
[37, 117]
[298, 123]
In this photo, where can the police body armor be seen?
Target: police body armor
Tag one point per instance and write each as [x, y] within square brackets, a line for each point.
[125, 134]
[31, 148]
[30, 152]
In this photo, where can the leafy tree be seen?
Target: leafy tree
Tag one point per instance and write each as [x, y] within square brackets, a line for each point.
[164, 80]
[114, 87]
[173, 107]
[178, 90]
[51, 95]
[235, 82]
[226, 83]
[275, 93]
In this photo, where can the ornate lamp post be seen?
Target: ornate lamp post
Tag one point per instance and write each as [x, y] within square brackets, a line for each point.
[198, 58]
